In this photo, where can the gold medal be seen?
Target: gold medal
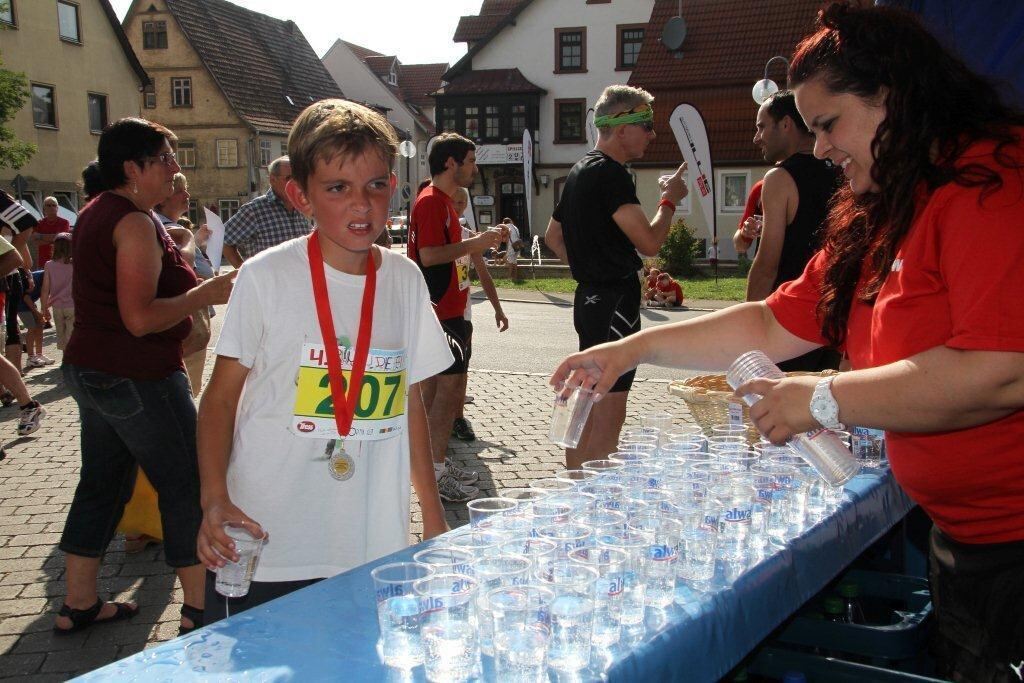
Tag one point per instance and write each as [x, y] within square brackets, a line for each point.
[340, 463]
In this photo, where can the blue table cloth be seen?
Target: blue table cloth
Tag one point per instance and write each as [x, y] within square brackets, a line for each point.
[329, 631]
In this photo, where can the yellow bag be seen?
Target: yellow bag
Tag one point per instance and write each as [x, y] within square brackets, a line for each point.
[141, 514]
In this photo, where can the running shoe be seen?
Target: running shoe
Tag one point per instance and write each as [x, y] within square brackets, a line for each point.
[46, 360]
[31, 416]
[35, 362]
[467, 477]
[454, 492]
[463, 430]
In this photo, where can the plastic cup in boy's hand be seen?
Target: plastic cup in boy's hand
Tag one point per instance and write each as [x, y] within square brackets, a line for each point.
[233, 578]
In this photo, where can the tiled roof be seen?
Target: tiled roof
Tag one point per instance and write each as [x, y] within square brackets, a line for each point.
[474, 27]
[725, 50]
[727, 41]
[360, 51]
[417, 81]
[380, 64]
[490, 82]
[256, 60]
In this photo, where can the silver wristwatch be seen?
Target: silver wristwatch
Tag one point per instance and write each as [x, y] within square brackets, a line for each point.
[824, 408]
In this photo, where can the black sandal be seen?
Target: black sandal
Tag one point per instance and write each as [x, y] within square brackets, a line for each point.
[84, 618]
[193, 614]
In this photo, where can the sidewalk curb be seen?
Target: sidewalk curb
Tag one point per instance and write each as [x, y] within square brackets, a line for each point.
[480, 296]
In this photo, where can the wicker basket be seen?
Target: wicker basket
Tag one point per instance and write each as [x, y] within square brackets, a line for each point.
[710, 399]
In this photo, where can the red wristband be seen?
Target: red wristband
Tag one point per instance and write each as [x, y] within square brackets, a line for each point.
[668, 204]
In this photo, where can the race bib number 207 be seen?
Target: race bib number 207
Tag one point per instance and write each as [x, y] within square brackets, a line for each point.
[380, 411]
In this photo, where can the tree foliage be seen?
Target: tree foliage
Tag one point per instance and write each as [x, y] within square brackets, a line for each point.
[679, 250]
[13, 94]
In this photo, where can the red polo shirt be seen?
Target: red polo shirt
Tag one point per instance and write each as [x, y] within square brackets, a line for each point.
[955, 282]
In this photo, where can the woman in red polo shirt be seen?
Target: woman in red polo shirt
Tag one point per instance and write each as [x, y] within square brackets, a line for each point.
[918, 282]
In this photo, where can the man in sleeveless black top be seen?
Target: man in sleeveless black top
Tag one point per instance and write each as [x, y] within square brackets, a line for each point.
[795, 199]
[597, 228]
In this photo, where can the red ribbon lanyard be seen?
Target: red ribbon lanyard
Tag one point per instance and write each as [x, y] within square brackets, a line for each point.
[344, 405]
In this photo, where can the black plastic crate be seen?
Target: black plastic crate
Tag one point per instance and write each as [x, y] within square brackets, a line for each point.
[898, 609]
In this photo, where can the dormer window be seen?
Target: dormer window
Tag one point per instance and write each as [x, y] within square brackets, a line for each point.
[392, 77]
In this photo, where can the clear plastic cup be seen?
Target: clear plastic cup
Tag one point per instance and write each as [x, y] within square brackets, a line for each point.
[483, 543]
[663, 536]
[398, 612]
[608, 563]
[566, 537]
[608, 496]
[680, 449]
[660, 420]
[684, 432]
[537, 550]
[634, 546]
[233, 578]
[576, 477]
[745, 459]
[601, 522]
[868, 446]
[551, 485]
[572, 613]
[729, 430]
[793, 482]
[569, 416]
[445, 560]
[448, 626]
[724, 442]
[697, 557]
[497, 572]
[546, 513]
[521, 623]
[734, 505]
[485, 512]
[600, 467]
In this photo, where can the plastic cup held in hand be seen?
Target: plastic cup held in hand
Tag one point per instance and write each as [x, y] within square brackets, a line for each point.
[569, 416]
[398, 612]
[233, 578]
[821, 448]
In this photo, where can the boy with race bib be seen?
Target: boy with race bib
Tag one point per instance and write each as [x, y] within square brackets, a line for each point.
[285, 446]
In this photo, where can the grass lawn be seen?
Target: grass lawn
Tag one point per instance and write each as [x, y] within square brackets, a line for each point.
[726, 289]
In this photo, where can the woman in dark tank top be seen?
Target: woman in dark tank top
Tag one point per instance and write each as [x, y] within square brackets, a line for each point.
[134, 296]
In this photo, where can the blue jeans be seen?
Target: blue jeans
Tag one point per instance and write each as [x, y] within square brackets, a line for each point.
[127, 422]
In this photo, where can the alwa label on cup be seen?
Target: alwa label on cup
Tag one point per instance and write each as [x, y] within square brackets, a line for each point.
[662, 553]
[737, 515]
[616, 584]
[389, 592]
[430, 605]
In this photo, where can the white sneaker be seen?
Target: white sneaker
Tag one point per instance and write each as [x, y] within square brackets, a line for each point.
[454, 491]
[30, 418]
[46, 360]
[463, 476]
[35, 362]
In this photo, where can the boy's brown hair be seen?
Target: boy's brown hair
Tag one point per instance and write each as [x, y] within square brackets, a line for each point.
[331, 128]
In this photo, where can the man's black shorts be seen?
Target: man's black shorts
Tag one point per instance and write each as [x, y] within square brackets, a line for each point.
[459, 335]
[604, 313]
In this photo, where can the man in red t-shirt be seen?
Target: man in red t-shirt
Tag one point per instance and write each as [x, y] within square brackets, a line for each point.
[437, 247]
[667, 293]
[47, 229]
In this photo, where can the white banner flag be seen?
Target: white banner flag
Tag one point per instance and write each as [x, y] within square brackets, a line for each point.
[528, 177]
[215, 245]
[692, 138]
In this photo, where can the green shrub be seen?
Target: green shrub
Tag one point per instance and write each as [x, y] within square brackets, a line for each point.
[679, 250]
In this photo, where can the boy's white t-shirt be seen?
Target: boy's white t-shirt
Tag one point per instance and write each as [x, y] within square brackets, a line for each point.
[279, 473]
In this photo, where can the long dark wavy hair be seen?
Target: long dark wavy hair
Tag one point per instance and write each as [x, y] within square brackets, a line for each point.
[935, 109]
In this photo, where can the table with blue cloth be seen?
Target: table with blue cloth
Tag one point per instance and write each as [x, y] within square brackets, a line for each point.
[329, 630]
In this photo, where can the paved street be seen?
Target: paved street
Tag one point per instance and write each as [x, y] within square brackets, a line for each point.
[37, 482]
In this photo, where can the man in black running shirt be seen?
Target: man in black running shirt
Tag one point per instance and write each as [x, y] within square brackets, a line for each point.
[597, 228]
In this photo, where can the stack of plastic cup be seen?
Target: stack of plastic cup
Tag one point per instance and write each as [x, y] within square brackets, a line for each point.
[822, 449]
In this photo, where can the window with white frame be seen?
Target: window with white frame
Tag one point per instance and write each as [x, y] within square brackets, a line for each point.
[227, 153]
[97, 112]
[732, 191]
[266, 152]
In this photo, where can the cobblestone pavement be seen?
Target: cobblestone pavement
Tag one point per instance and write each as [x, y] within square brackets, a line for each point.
[510, 416]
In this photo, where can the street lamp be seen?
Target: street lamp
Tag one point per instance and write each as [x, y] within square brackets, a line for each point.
[766, 87]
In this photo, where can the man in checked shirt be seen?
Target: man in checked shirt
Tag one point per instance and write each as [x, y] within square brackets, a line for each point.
[266, 221]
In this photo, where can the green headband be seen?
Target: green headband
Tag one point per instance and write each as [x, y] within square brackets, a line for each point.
[622, 119]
